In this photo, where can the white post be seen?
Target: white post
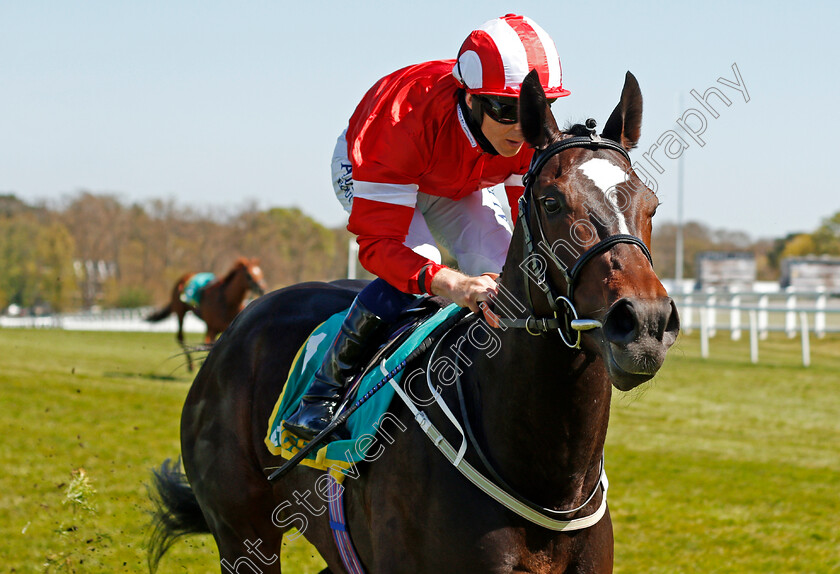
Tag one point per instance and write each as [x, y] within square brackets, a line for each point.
[790, 316]
[806, 343]
[819, 317]
[711, 301]
[352, 258]
[763, 318]
[753, 337]
[704, 333]
[735, 318]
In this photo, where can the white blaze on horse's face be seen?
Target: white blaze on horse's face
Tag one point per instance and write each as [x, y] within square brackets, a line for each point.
[606, 175]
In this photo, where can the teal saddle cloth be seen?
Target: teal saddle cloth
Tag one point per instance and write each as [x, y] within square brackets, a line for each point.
[340, 457]
[194, 288]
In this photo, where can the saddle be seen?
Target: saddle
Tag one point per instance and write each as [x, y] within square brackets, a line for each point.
[340, 456]
[194, 288]
[410, 318]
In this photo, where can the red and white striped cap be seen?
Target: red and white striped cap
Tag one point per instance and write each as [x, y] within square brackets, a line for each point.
[496, 57]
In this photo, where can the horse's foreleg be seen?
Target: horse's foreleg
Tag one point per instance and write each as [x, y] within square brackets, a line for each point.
[180, 338]
[595, 555]
[189, 360]
[249, 551]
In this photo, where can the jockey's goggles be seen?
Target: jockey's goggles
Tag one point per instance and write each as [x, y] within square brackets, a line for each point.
[503, 110]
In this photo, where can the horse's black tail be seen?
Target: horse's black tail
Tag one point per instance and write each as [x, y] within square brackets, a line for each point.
[160, 314]
[177, 511]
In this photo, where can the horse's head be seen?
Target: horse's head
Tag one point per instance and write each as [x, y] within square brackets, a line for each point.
[587, 217]
[253, 274]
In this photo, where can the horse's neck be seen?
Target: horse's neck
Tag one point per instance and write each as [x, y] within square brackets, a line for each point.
[544, 411]
[236, 289]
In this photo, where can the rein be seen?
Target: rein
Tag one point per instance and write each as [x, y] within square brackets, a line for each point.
[492, 470]
[497, 488]
[566, 320]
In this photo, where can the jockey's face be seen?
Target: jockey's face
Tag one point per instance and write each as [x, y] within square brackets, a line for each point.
[505, 137]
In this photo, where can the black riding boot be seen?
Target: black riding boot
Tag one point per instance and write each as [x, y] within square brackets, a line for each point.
[343, 358]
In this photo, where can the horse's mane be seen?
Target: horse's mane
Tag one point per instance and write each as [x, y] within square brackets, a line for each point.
[576, 130]
[241, 262]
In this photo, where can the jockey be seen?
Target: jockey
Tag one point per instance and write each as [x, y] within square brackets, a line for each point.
[414, 168]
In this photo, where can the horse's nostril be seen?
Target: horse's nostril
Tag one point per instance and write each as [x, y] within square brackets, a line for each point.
[674, 319]
[621, 323]
[672, 328]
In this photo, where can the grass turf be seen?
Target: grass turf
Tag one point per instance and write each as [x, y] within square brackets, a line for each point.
[716, 466]
[108, 403]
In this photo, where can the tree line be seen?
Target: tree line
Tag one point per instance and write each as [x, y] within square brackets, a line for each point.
[769, 252]
[699, 237]
[96, 250]
[93, 249]
[825, 240]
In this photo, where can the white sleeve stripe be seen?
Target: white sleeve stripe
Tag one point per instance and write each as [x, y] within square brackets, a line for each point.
[514, 181]
[391, 193]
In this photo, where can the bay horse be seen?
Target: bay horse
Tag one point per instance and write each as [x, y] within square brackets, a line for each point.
[221, 300]
[537, 407]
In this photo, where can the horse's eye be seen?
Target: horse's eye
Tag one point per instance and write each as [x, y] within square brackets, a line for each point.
[552, 204]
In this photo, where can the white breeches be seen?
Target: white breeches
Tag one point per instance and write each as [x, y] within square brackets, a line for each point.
[473, 229]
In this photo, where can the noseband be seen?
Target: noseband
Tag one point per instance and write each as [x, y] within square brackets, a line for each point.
[253, 284]
[566, 320]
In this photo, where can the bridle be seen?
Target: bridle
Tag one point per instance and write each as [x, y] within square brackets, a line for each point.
[566, 320]
[253, 284]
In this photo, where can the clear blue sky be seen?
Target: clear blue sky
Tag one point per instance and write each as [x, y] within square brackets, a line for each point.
[222, 103]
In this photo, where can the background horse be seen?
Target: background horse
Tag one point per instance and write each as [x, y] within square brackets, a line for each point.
[538, 403]
[220, 301]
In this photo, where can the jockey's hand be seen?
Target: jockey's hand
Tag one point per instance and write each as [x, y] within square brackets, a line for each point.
[464, 290]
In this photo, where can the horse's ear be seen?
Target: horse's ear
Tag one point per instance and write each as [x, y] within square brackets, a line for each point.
[535, 118]
[625, 123]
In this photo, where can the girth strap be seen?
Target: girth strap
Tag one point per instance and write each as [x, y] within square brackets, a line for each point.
[341, 535]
